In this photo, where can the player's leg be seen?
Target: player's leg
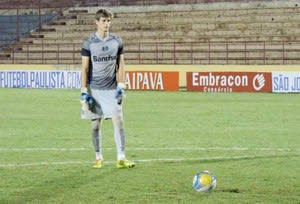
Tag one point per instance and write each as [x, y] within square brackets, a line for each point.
[111, 110]
[97, 141]
[119, 135]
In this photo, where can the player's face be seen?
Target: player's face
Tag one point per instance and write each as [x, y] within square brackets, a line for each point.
[103, 24]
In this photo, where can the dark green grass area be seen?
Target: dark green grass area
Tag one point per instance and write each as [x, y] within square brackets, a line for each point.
[251, 142]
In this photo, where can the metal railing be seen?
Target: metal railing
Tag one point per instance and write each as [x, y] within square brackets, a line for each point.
[226, 52]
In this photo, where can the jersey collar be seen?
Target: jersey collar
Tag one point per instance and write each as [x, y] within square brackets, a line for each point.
[102, 39]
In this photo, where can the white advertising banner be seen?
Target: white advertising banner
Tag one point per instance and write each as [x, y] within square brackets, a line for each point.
[286, 82]
[64, 79]
[40, 79]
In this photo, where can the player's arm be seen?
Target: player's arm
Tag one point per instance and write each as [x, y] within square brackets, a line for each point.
[120, 79]
[121, 70]
[84, 71]
[86, 99]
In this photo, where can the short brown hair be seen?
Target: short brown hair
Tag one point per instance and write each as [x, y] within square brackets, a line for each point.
[103, 13]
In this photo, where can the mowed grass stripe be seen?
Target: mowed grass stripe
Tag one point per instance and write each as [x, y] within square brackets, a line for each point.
[38, 149]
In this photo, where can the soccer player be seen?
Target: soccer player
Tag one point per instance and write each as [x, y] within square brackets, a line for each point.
[102, 86]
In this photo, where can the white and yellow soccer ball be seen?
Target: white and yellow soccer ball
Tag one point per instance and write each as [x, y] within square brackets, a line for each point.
[204, 181]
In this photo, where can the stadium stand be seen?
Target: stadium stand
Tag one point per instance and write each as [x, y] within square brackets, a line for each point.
[14, 27]
[172, 32]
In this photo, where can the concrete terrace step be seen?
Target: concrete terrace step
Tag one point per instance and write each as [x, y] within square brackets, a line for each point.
[286, 17]
[198, 13]
[177, 28]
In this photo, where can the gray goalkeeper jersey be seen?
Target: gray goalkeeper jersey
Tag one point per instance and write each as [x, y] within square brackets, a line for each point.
[104, 57]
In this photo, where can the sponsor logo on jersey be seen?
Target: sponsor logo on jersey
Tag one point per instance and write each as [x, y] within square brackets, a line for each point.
[104, 58]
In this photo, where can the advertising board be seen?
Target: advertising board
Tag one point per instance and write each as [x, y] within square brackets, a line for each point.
[229, 81]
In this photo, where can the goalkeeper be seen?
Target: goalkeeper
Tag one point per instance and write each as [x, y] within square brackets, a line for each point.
[102, 86]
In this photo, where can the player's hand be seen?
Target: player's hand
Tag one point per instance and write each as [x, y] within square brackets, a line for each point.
[120, 93]
[86, 100]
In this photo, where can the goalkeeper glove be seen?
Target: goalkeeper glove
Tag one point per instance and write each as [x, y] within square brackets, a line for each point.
[120, 93]
[86, 100]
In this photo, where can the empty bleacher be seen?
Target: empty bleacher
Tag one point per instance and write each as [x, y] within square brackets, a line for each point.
[14, 27]
[248, 33]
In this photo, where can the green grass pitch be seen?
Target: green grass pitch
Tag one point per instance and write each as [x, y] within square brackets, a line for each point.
[251, 142]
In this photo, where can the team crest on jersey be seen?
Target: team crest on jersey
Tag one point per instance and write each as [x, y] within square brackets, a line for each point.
[105, 48]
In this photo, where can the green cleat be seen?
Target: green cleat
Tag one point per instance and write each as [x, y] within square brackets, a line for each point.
[98, 164]
[125, 164]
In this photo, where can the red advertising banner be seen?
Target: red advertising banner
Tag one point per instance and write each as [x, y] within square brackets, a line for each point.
[161, 81]
[229, 81]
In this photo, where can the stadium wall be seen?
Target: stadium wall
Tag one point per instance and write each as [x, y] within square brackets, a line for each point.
[182, 69]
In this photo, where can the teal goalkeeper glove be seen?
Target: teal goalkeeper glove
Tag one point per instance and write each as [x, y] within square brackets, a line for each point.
[120, 93]
[86, 100]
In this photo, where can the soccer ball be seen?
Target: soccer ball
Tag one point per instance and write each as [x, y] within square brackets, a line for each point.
[204, 182]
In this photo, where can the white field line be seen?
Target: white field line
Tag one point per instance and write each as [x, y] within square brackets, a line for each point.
[40, 149]
[56, 163]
